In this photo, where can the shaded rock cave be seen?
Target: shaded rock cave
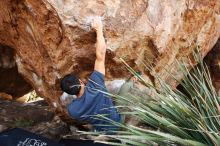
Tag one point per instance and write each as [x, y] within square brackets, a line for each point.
[11, 82]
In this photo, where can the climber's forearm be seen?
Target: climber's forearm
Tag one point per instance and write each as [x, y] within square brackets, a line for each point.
[100, 46]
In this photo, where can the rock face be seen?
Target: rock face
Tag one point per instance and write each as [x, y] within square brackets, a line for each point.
[213, 62]
[35, 117]
[11, 82]
[53, 37]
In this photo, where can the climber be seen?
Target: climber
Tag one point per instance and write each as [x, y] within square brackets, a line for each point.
[91, 100]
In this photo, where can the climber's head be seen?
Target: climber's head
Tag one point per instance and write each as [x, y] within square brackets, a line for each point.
[71, 84]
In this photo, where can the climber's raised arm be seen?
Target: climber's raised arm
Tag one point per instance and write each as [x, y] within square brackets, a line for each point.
[100, 46]
[92, 102]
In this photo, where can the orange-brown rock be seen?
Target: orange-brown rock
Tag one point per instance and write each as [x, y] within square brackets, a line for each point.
[53, 37]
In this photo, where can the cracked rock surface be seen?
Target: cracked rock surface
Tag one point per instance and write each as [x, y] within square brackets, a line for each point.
[52, 37]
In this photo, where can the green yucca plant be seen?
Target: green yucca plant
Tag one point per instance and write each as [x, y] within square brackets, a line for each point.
[190, 118]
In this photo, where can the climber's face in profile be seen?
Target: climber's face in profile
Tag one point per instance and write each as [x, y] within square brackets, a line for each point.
[72, 85]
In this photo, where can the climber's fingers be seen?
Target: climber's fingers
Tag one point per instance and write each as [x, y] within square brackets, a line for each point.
[97, 23]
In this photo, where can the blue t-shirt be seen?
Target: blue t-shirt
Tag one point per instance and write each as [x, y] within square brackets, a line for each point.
[94, 102]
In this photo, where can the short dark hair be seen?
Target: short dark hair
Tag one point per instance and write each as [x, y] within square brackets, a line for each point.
[70, 84]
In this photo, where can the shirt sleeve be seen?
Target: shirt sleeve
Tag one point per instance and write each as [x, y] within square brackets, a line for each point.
[96, 80]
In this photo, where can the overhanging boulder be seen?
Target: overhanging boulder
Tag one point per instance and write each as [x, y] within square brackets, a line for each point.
[53, 37]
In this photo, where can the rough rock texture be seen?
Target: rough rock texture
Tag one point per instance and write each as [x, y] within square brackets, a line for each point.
[11, 82]
[35, 117]
[213, 62]
[53, 37]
